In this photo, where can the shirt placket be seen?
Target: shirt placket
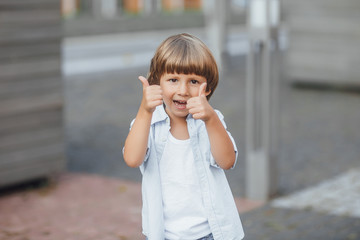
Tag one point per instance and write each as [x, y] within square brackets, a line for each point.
[203, 177]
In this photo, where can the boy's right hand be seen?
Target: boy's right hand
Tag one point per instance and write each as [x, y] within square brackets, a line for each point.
[152, 95]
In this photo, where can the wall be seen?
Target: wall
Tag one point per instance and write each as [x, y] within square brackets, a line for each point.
[31, 91]
[324, 41]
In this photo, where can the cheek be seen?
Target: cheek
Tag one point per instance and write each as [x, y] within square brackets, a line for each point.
[194, 91]
[168, 89]
[167, 94]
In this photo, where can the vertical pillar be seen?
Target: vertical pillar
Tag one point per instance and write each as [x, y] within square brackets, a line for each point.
[69, 8]
[216, 27]
[151, 7]
[261, 109]
[105, 8]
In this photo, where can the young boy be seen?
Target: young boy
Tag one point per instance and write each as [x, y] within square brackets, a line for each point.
[182, 146]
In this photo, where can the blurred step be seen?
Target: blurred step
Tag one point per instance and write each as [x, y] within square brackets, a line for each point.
[121, 51]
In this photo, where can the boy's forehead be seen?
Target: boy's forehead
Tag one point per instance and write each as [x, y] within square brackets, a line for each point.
[188, 75]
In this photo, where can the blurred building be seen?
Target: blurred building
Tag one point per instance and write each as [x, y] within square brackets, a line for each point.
[113, 8]
[96, 17]
[323, 36]
[31, 91]
[324, 42]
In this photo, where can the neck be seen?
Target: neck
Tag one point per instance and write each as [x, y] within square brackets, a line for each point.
[178, 126]
[179, 129]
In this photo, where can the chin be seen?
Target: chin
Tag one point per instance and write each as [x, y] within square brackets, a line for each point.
[179, 114]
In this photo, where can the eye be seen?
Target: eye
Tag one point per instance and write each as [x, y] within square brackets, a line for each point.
[193, 81]
[173, 80]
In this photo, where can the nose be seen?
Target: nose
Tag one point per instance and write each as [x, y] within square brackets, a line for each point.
[183, 89]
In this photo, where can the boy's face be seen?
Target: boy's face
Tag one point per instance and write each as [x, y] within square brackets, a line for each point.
[177, 90]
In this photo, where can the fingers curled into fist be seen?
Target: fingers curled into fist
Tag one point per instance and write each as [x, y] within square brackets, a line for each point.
[199, 107]
[152, 95]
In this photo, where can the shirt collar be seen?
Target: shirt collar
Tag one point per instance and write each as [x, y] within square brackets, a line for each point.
[159, 114]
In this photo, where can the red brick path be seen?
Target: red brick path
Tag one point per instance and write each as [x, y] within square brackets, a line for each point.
[78, 207]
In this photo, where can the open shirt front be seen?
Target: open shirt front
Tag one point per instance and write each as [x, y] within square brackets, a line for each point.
[223, 217]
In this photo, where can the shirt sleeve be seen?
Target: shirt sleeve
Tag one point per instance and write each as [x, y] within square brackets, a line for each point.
[147, 150]
[212, 160]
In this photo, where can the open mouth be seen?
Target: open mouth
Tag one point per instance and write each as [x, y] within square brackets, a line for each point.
[180, 104]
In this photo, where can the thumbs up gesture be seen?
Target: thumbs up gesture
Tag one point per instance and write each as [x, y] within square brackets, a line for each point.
[199, 107]
[152, 95]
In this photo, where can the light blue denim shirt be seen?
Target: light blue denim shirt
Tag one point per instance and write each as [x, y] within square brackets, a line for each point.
[223, 217]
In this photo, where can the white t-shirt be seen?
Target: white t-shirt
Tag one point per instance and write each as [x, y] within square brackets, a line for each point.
[184, 213]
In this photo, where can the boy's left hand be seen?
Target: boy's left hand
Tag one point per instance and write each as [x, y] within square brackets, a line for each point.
[199, 106]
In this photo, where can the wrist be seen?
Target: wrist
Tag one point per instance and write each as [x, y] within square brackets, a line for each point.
[145, 108]
[211, 117]
[145, 113]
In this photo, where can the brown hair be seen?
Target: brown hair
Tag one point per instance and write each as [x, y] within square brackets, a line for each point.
[185, 54]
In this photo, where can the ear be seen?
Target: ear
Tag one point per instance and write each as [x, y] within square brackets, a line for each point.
[207, 93]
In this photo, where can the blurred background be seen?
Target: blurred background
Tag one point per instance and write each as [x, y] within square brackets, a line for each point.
[69, 90]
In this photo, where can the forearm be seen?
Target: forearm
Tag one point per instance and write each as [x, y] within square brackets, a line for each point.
[221, 145]
[137, 139]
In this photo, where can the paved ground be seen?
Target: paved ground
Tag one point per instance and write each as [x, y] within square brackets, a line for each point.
[78, 207]
[75, 207]
[269, 223]
[90, 207]
[337, 196]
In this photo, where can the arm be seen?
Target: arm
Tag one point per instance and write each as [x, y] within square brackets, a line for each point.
[137, 140]
[221, 145]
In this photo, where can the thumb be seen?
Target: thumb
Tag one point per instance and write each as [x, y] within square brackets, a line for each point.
[144, 81]
[202, 90]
